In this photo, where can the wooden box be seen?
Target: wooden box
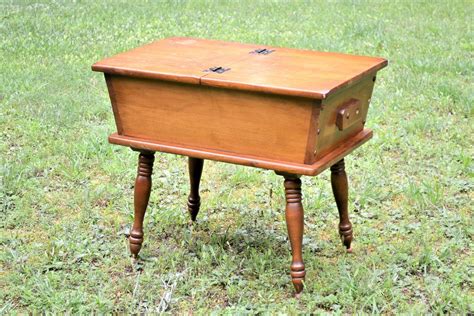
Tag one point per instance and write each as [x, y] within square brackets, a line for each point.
[297, 112]
[284, 109]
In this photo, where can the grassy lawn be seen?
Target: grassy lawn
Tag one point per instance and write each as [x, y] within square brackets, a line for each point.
[66, 194]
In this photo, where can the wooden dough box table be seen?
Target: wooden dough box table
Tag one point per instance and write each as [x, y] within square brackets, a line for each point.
[297, 112]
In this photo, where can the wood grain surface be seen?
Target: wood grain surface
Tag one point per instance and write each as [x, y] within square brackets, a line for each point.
[294, 168]
[174, 59]
[284, 71]
[296, 72]
[330, 136]
[243, 123]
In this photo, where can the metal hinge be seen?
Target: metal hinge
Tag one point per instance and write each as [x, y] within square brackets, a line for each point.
[262, 51]
[218, 69]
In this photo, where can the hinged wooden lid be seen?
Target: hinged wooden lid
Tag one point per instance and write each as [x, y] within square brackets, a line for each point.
[243, 66]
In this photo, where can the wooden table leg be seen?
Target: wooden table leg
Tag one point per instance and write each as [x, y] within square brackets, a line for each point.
[194, 200]
[340, 189]
[141, 197]
[294, 222]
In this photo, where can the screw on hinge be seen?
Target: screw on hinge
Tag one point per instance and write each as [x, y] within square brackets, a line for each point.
[262, 51]
[218, 69]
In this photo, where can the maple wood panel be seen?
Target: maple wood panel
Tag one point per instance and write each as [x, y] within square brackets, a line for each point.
[268, 126]
[330, 136]
[175, 59]
[295, 72]
[284, 71]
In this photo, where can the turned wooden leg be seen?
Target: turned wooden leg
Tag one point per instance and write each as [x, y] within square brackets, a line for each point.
[194, 200]
[294, 221]
[340, 190]
[141, 197]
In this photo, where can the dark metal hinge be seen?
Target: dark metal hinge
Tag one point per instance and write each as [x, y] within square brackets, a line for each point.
[218, 69]
[262, 51]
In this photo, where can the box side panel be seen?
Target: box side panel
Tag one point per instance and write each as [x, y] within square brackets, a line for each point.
[313, 132]
[111, 90]
[330, 136]
[260, 125]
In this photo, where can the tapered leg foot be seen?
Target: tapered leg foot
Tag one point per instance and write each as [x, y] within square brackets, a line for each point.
[340, 189]
[294, 221]
[141, 197]
[194, 200]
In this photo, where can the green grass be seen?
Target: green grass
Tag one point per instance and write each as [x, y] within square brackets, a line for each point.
[66, 194]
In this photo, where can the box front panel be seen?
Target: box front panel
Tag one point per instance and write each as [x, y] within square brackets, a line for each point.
[343, 115]
[244, 123]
